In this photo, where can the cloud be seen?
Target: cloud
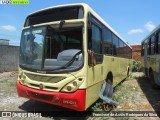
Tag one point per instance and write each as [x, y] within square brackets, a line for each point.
[135, 31]
[8, 27]
[149, 26]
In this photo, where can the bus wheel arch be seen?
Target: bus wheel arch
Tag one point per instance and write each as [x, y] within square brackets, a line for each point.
[152, 79]
[109, 78]
[128, 70]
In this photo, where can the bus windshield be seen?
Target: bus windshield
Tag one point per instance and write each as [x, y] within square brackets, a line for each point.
[48, 48]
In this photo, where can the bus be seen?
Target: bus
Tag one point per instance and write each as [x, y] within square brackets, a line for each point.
[66, 54]
[151, 57]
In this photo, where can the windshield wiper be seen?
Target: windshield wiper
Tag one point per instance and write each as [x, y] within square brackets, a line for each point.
[69, 63]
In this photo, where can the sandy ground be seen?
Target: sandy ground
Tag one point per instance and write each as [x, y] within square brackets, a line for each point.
[134, 94]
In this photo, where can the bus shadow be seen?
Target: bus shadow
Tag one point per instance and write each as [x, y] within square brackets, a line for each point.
[57, 112]
[53, 111]
[152, 95]
[119, 84]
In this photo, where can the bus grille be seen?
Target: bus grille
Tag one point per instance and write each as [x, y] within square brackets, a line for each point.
[47, 79]
[46, 87]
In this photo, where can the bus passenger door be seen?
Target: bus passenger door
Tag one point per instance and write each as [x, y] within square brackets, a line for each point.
[95, 56]
[95, 66]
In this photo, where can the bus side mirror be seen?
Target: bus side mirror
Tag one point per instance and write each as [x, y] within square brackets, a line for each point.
[91, 58]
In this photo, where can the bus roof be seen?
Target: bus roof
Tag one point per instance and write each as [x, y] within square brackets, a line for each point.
[89, 10]
[153, 31]
[107, 25]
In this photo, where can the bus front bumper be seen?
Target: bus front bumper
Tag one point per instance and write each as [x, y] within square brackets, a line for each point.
[74, 100]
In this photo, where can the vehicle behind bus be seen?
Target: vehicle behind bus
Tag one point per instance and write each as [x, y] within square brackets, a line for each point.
[151, 57]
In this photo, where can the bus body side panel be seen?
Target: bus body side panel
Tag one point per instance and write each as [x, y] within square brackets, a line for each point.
[157, 70]
[115, 69]
[92, 93]
[142, 64]
[94, 82]
[153, 63]
[97, 75]
[123, 65]
[117, 66]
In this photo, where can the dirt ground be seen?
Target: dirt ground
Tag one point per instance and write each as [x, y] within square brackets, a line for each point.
[133, 94]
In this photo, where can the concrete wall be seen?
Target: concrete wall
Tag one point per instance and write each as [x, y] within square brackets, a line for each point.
[9, 56]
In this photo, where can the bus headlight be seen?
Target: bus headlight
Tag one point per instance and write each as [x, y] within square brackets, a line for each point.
[75, 84]
[72, 86]
[69, 88]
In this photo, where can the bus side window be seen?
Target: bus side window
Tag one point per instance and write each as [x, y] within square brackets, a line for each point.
[96, 39]
[95, 43]
[89, 38]
[142, 49]
[121, 49]
[153, 45]
[156, 44]
[159, 42]
[149, 46]
[115, 44]
[125, 50]
[107, 42]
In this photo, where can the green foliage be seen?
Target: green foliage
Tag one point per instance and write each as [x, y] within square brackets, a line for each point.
[97, 107]
[136, 66]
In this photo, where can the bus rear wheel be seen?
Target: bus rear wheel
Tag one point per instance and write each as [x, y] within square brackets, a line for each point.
[128, 72]
[152, 80]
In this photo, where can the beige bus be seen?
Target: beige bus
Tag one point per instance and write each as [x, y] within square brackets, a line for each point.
[66, 53]
[151, 57]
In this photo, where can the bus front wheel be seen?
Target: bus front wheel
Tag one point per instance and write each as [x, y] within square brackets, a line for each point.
[109, 78]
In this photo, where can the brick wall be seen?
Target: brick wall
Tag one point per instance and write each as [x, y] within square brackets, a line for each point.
[136, 52]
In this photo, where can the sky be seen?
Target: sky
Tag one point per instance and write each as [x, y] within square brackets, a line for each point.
[132, 19]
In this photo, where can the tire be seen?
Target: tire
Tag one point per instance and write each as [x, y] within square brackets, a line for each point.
[128, 72]
[152, 80]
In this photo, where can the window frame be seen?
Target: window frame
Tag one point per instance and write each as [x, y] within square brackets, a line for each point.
[115, 53]
[149, 46]
[104, 40]
[96, 22]
[152, 47]
[158, 39]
